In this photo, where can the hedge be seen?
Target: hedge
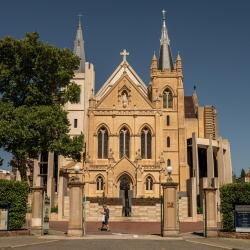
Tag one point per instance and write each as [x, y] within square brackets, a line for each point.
[231, 195]
[14, 194]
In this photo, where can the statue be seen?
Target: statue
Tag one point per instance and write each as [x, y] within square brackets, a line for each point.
[124, 100]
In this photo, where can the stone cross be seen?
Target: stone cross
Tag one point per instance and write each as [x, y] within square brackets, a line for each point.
[124, 54]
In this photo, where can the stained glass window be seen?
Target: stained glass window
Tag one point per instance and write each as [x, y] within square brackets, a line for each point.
[103, 139]
[167, 99]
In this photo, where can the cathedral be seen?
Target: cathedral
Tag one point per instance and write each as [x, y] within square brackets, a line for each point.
[132, 132]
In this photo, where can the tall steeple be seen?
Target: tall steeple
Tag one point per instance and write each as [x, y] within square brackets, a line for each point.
[79, 47]
[165, 57]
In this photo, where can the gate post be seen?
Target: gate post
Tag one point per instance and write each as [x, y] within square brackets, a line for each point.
[170, 216]
[37, 208]
[75, 227]
[211, 229]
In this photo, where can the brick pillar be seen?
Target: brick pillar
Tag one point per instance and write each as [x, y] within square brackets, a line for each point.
[75, 226]
[170, 214]
[37, 207]
[210, 212]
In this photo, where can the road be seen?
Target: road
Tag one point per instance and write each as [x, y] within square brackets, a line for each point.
[112, 244]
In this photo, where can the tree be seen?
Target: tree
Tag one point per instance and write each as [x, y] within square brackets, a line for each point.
[242, 174]
[1, 161]
[34, 85]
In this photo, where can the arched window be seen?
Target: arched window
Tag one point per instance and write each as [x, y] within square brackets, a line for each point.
[146, 141]
[149, 183]
[124, 142]
[103, 140]
[99, 183]
[168, 162]
[167, 99]
[168, 120]
[168, 142]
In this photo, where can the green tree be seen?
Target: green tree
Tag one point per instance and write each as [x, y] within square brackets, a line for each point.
[242, 174]
[34, 86]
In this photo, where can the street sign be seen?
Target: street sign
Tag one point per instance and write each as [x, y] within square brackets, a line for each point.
[242, 218]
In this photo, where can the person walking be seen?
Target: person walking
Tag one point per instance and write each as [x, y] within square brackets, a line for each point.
[105, 218]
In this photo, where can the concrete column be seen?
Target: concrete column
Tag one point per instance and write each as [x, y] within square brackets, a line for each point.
[50, 179]
[210, 212]
[37, 207]
[192, 195]
[221, 166]
[170, 213]
[75, 226]
[61, 194]
[195, 161]
[210, 163]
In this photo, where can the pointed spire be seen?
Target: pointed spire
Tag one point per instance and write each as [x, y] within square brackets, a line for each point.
[79, 46]
[154, 63]
[165, 58]
[178, 63]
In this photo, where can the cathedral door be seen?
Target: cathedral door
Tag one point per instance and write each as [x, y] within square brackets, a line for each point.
[126, 194]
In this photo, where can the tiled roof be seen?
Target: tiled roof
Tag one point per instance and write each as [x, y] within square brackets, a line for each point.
[189, 107]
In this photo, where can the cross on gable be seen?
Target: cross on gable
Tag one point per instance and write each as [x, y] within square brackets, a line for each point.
[124, 54]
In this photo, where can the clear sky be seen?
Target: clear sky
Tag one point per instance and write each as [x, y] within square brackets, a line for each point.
[213, 38]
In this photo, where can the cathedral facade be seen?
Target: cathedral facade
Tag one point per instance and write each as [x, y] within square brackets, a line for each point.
[133, 131]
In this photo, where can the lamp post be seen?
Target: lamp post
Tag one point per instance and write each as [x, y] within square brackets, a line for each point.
[170, 213]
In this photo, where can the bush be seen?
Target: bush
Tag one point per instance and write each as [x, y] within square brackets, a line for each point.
[54, 210]
[231, 195]
[14, 194]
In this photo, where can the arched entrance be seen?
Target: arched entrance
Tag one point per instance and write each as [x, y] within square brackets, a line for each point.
[126, 194]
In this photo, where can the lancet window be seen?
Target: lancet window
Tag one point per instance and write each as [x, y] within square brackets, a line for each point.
[124, 137]
[167, 99]
[146, 143]
[149, 183]
[103, 139]
[99, 183]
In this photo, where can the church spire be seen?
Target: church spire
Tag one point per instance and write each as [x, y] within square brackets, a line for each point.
[79, 46]
[165, 58]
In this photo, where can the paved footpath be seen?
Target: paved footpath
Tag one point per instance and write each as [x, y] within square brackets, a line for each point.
[128, 227]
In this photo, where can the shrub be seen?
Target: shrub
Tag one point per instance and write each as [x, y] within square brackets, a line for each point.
[54, 210]
[231, 195]
[14, 194]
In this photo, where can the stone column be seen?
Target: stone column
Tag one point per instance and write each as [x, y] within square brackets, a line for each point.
[75, 226]
[170, 213]
[210, 212]
[37, 207]
[36, 174]
[61, 193]
[50, 179]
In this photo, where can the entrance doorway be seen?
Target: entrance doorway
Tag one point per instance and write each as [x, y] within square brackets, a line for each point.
[126, 193]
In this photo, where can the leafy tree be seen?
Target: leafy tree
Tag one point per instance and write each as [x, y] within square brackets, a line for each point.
[242, 173]
[1, 161]
[36, 73]
[34, 85]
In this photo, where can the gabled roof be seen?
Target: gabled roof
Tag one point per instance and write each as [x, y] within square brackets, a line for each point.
[123, 67]
[137, 88]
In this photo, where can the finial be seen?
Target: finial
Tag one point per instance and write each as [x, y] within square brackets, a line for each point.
[79, 19]
[163, 15]
[124, 54]
[154, 56]
[178, 56]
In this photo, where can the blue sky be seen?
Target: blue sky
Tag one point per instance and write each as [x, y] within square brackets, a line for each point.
[213, 38]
